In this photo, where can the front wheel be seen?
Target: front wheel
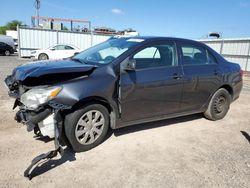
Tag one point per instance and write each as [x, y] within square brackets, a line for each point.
[218, 105]
[43, 56]
[7, 53]
[87, 127]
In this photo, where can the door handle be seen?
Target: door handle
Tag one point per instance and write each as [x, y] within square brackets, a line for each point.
[216, 72]
[176, 76]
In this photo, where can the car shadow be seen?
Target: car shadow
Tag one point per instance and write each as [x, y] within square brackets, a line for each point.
[246, 135]
[155, 124]
[50, 164]
[44, 139]
[69, 154]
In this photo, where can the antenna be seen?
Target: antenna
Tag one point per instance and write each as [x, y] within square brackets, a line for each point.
[37, 5]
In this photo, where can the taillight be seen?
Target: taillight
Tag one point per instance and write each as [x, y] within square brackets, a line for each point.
[241, 72]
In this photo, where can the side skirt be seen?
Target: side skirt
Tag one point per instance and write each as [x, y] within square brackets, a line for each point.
[120, 123]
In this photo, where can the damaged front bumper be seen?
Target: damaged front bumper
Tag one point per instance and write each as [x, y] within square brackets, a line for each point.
[42, 120]
[42, 99]
[49, 122]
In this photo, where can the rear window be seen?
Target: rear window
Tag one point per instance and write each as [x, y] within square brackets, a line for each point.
[196, 55]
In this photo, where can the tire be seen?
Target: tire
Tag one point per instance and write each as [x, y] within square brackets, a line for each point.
[7, 53]
[83, 135]
[218, 105]
[43, 56]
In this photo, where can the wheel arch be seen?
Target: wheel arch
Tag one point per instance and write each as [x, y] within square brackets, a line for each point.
[226, 87]
[229, 89]
[95, 99]
[112, 109]
[41, 54]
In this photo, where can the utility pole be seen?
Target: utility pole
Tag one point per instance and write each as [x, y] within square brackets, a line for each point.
[37, 5]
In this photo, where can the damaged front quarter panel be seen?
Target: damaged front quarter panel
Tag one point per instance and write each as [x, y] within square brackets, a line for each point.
[78, 81]
[87, 78]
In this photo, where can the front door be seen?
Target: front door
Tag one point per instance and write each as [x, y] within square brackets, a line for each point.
[154, 88]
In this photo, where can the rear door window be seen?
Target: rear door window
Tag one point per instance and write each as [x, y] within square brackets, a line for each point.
[68, 48]
[59, 47]
[211, 58]
[196, 55]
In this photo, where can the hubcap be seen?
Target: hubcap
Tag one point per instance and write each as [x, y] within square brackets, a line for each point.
[43, 57]
[89, 127]
[7, 53]
[220, 104]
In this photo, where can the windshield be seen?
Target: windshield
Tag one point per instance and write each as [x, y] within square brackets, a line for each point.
[105, 52]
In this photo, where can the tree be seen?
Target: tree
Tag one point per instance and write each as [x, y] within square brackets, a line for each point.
[13, 24]
[65, 28]
[10, 26]
[3, 30]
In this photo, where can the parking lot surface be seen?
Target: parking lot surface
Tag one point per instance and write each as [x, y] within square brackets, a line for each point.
[181, 152]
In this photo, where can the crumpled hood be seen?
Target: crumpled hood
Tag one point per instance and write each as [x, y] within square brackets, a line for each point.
[41, 68]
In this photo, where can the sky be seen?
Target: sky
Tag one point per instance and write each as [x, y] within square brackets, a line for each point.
[192, 19]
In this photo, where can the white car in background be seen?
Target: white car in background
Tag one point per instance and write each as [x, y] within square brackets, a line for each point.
[58, 51]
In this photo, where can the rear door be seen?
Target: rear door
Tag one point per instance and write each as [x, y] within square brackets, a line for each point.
[69, 51]
[60, 51]
[154, 88]
[202, 75]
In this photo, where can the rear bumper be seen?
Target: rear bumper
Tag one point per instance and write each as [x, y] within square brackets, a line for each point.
[237, 87]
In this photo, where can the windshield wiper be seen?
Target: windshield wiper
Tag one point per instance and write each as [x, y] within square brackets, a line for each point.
[79, 60]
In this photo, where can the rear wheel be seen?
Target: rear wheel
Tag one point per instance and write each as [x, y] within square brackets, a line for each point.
[43, 56]
[7, 53]
[87, 127]
[218, 105]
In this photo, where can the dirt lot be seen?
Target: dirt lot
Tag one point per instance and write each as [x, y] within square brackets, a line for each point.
[183, 152]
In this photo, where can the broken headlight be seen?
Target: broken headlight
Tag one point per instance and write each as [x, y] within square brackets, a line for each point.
[37, 96]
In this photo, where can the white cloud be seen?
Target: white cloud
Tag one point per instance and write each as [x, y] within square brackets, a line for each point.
[117, 11]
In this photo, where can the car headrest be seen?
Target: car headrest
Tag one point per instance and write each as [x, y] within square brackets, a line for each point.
[199, 56]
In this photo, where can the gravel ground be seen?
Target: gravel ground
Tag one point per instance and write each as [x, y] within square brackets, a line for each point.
[182, 152]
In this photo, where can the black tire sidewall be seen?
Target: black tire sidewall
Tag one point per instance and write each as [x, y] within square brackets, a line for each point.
[214, 115]
[43, 54]
[71, 122]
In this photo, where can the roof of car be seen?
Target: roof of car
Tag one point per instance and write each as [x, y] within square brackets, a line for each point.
[64, 45]
[155, 38]
[160, 37]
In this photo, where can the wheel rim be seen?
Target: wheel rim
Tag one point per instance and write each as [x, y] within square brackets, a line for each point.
[89, 127]
[43, 57]
[7, 53]
[220, 104]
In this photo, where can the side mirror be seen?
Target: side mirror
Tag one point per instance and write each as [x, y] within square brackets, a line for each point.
[52, 49]
[130, 66]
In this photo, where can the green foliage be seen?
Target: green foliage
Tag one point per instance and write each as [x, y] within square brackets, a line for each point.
[65, 28]
[3, 30]
[10, 26]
